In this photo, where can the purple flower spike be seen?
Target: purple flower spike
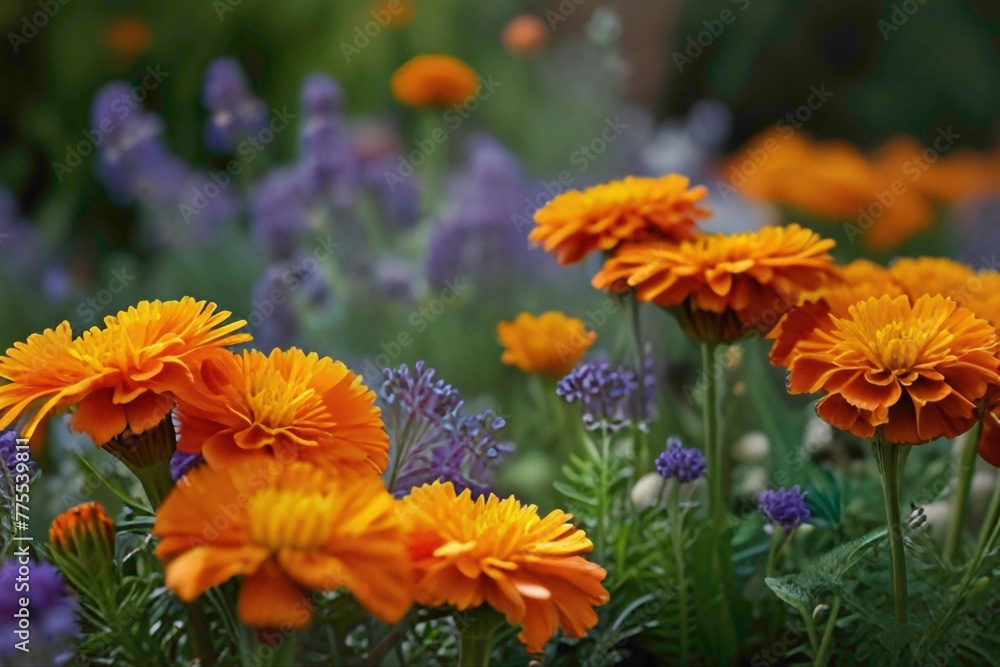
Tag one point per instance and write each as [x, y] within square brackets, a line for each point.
[432, 440]
[234, 111]
[685, 464]
[50, 607]
[606, 394]
[785, 507]
[181, 463]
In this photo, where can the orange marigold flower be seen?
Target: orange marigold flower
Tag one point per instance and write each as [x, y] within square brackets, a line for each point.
[856, 282]
[434, 80]
[123, 377]
[531, 569]
[832, 179]
[84, 530]
[577, 222]
[550, 344]
[288, 406]
[913, 370]
[525, 34]
[723, 287]
[287, 530]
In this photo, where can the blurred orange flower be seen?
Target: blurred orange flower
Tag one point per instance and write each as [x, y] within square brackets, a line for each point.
[913, 370]
[434, 80]
[525, 34]
[466, 552]
[127, 36]
[576, 223]
[723, 287]
[123, 377]
[550, 344]
[285, 406]
[287, 530]
[832, 179]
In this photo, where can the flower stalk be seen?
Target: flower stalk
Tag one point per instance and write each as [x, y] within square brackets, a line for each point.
[960, 501]
[677, 537]
[477, 638]
[713, 448]
[889, 458]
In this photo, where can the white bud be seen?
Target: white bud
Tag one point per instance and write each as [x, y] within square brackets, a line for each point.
[751, 447]
[648, 490]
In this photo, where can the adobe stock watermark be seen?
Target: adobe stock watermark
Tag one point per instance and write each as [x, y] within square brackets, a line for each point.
[581, 158]
[122, 108]
[31, 25]
[201, 196]
[426, 147]
[713, 30]
[915, 167]
[900, 14]
[739, 172]
[382, 16]
[562, 13]
[292, 280]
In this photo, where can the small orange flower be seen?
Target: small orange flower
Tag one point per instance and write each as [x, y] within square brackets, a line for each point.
[576, 223]
[84, 530]
[550, 344]
[914, 371]
[525, 34]
[287, 530]
[724, 286]
[394, 13]
[287, 406]
[127, 36]
[434, 80]
[531, 569]
[125, 376]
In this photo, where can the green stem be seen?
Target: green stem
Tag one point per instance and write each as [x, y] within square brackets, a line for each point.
[156, 481]
[713, 449]
[602, 496]
[811, 630]
[677, 534]
[777, 541]
[477, 639]
[199, 634]
[960, 501]
[824, 648]
[989, 523]
[887, 456]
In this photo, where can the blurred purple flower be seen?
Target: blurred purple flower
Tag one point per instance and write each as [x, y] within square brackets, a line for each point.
[181, 463]
[430, 438]
[685, 464]
[477, 236]
[978, 223]
[328, 157]
[235, 113]
[51, 608]
[132, 161]
[273, 320]
[280, 211]
[785, 507]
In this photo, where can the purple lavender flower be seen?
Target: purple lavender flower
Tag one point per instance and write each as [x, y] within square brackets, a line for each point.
[234, 111]
[977, 220]
[419, 393]
[51, 609]
[9, 452]
[132, 161]
[20, 242]
[181, 463]
[785, 507]
[477, 237]
[431, 439]
[606, 394]
[398, 200]
[280, 211]
[685, 464]
[327, 153]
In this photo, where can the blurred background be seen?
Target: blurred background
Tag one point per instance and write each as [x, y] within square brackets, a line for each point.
[257, 157]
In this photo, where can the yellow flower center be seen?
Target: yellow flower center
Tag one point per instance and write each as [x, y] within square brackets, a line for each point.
[290, 519]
